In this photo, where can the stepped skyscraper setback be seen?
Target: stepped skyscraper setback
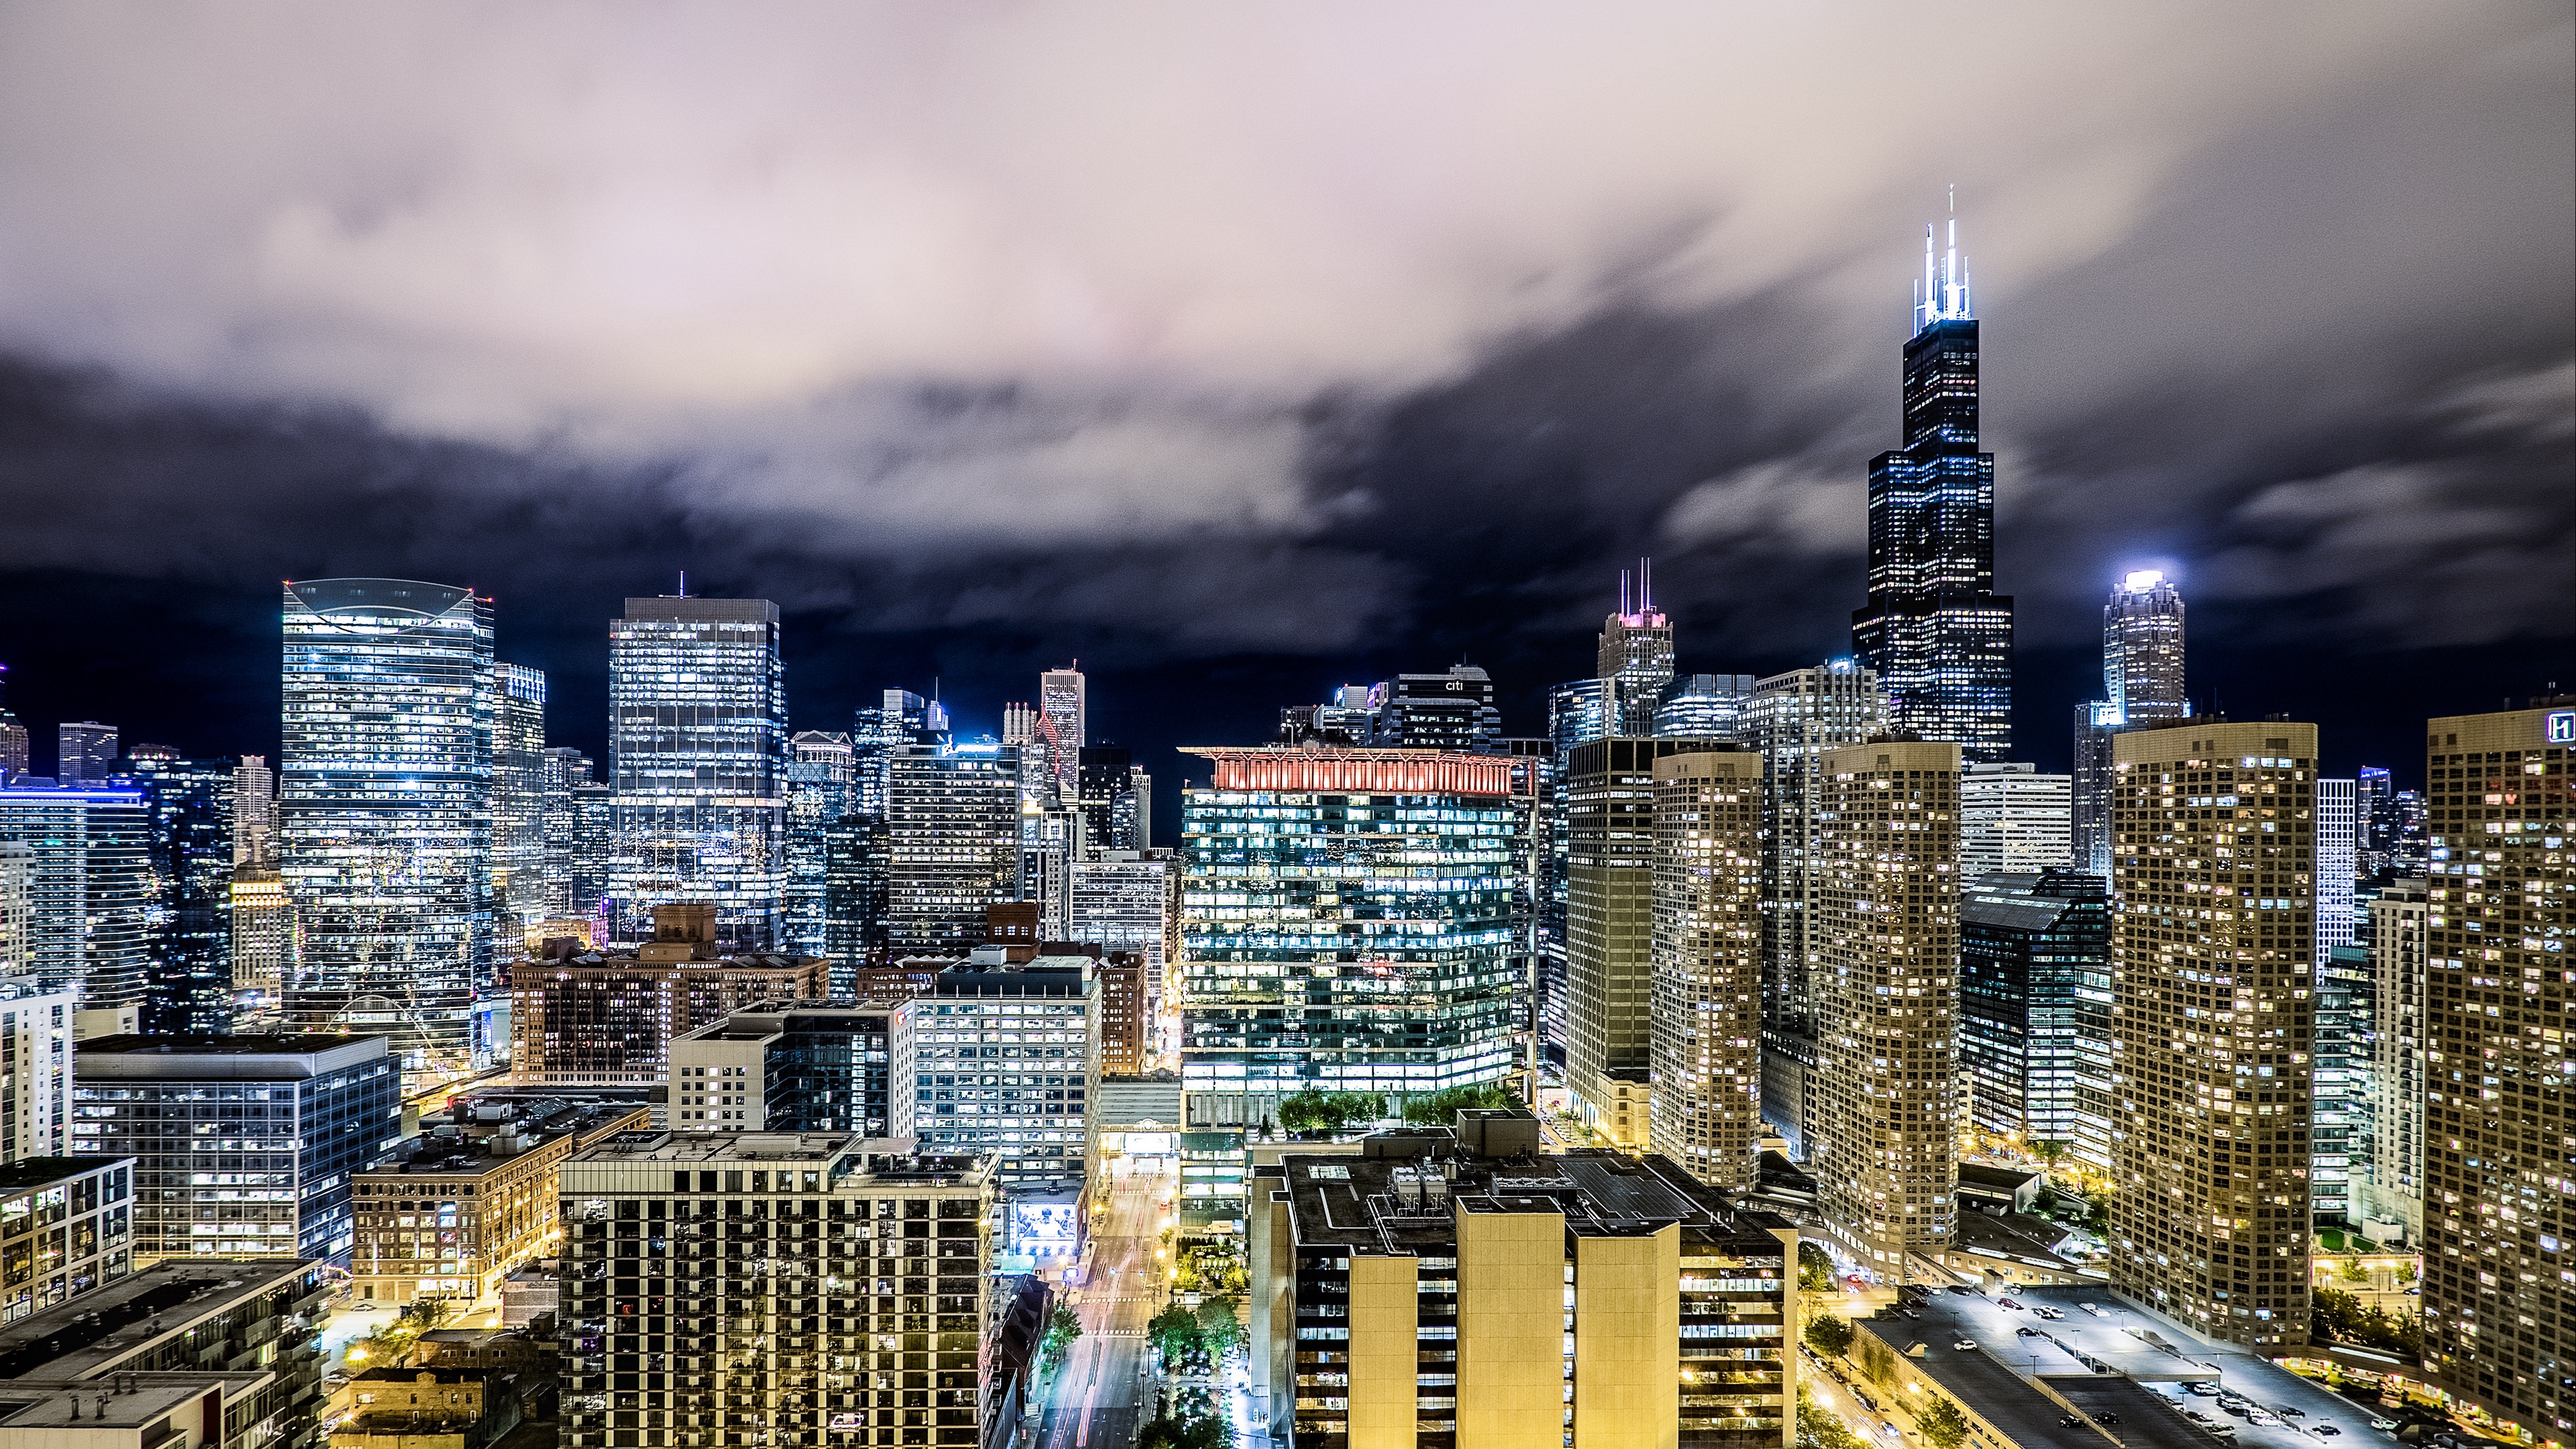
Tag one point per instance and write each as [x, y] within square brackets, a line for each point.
[1935, 632]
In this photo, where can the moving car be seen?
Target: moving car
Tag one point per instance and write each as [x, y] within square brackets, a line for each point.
[2089, 1308]
[1965, 1344]
[2328, 1430]
[2384, 1426]
[2027, 1332]
[2286, 1412]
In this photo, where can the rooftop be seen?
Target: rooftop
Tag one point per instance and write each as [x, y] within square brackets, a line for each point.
[106, 1325]
[37, 1171]
[703, 1149]
[475, 1145]
[1405, 1203]
[51, 1403]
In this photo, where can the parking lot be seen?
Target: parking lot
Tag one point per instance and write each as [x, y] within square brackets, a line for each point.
[2111, 1338]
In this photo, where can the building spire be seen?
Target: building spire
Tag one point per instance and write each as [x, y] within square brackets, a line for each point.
[1942, 295]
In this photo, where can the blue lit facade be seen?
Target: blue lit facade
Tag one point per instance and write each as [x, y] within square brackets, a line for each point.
[1577, 712]
[190, 917]
[2035, 1009]
[1934, 631]
[384, 811]
[697, 723]
[1353, 935]
[818, 794]
[89, 887]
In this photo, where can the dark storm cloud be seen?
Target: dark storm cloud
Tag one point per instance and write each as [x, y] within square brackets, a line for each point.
[1165, 335]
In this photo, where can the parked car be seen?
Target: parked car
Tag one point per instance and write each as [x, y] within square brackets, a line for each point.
[2328, 1430]
[2027, 1332]
[2089, 1308]
[2106, 1418]
[2287, 1412]
[2006, 1303]
[2205, 1389]
[2257, 1416]
[2069, 1421]
[2384, 1426]
[1965, 1345]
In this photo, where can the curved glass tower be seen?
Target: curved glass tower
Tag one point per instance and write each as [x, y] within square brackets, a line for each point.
[384, 812]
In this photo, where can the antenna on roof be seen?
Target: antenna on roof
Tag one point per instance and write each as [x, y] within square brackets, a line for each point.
[684, 583]
[1623, 593]
[1646, 586]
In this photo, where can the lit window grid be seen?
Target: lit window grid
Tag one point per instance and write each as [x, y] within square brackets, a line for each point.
[384, 818]
[2213, 967]
[1706, 1108]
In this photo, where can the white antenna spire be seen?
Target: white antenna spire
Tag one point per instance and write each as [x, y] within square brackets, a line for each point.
[1646, 586]
[1623, 593]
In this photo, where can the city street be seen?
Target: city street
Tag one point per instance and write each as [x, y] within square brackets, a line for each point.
[1096, 1401]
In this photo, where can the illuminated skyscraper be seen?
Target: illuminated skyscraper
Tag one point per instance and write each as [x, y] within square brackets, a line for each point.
[1793, 719]
[1577, 711]
[1884, 1138]
[1451, 711]
[518, 799]
[2213, 984]
[1704, 706]
[819, 772]
[1934, 630]
[952, 842]
[189, 919]
[89, 885]
[875, 734]
[1346, 925]
[1635, 657]
[1706, 987]
[566, 771]
[1064, 722]
[84, 751]
[2142, 684]
[2497, 1080]
[2338, 862]
[254, 812]
[2012, 818]
[698, 729]
[384, 820]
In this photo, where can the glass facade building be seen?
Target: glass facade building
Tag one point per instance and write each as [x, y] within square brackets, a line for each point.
[1577, 711]
[190, 915]
[1935, 632]
[698, 729]
[242, 1145]
[1346, 925]
[952, 842]
[1635, 656]
[1704, 706]
[2035, 1009]
[820, 767]
[385, 809]
[1007, 1063]
[519, 885]
[89, 887]
[1452, 711]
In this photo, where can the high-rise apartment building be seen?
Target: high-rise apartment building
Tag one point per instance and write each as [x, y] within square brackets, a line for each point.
[17, 900]
[831, 1066]
[1064, 726]
[1883, 1106]
[243, 1144]
[89, 886]
[1451, 711]
[84, 752]
[1430, 1292]
[1794, 718]
[1934, 631]
[698, 732]
[2338, 861]
[820, 769]
[518, 800]
[2213, 983]
[953, 842]
[1635, 658]
[2035, 1026]
[35, 1062]
[1705, 991]
[384, 821]
[1704, 706]
[263, 947]
[862, 1328]
[1610, 930]
[2142, 684]
[2497, 1080]
[2388, 1185]
[1346, 924]
[2013, 818]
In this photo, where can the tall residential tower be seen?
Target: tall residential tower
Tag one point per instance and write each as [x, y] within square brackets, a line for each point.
[1934, 630]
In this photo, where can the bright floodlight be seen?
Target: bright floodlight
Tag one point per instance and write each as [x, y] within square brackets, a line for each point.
[2143, 580]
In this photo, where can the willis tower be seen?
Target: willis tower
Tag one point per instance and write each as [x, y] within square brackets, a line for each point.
[1938, 635]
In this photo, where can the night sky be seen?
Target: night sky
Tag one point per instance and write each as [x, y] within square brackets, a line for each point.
[1244, 351]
